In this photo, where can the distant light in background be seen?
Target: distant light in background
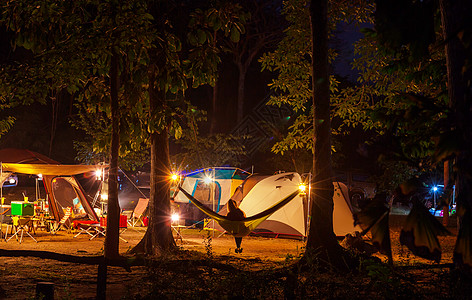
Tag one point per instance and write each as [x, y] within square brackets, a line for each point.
[12, 180]
[435, 188]
[98, 174]
[40, 176]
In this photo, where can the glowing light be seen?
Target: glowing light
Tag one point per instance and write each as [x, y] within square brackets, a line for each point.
[98, 174]
[435, 188]
[104, 196]
[302, 187]
[175, 217]
[174, 177]
[12, 180]
[208, 180]
[40, 176]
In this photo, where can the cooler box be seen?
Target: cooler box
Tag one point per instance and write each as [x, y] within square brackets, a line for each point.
[22, 208]
[123, 221]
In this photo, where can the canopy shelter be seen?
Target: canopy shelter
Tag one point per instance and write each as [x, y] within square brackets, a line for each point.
[62, 188]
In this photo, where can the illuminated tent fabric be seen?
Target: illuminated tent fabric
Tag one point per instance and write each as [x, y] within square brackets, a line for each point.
[224, 181]
[53, 170]
[62, 188]
[291, 220]
[243, 227]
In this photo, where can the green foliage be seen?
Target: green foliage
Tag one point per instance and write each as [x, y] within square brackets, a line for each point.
[212, 150]
[291, 61]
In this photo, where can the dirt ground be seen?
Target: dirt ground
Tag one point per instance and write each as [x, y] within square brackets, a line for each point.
[19, 275]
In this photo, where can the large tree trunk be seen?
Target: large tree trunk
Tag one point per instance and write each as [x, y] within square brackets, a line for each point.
[321, 239]
[158, 237]
[113, 208]
[455, 17]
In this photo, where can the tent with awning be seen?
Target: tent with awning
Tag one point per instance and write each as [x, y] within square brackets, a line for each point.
[62, 188]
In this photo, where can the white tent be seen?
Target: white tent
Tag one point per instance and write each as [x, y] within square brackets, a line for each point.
[290, 220]
[255, 193]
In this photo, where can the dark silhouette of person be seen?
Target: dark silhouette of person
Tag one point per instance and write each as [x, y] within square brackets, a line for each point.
[235, 214]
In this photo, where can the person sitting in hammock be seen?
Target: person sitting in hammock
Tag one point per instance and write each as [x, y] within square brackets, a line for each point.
[235, 214]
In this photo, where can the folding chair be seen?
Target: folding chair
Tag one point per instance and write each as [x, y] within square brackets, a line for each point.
[84, 227]
[21, 225]
[138, 212]
[55, 228]
[4, 219]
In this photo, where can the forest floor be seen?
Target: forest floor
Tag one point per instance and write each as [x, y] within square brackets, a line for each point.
[207, 268]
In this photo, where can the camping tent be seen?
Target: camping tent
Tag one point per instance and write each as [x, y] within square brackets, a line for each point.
[258, 192]
[212, 186]
[62, 188]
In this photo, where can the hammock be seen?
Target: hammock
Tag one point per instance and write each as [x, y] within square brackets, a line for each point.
[245, 226]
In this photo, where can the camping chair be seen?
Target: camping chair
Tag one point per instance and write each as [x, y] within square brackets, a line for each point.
[61, 223]
[3, 218]
[21, 225]
[138, 212]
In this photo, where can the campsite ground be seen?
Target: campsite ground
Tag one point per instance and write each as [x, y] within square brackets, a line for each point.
[19, 275]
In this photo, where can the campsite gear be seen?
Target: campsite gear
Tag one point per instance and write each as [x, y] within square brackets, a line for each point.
[55, 228]
[21, 225]
[60, 184]
[258, 192]
[4, 209]
[292, 220]
[245, 226]
[84, 227]
[137, 215]
[22, 208]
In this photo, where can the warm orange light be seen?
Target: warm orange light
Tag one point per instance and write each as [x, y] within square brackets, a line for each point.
[174, 177]
[302, 187]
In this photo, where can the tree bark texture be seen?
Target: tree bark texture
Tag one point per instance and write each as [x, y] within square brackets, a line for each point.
[158, 237]
[113, 207]
[321, 238]
[457, 26]
[455, 16]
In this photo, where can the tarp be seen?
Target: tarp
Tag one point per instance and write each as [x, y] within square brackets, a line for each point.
[53, 170]
[62, 188]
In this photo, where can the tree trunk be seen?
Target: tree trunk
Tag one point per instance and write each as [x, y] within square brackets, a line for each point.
[455, 17]
[158, 237]
[113, 208]
[321, 237]
[446, 185]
